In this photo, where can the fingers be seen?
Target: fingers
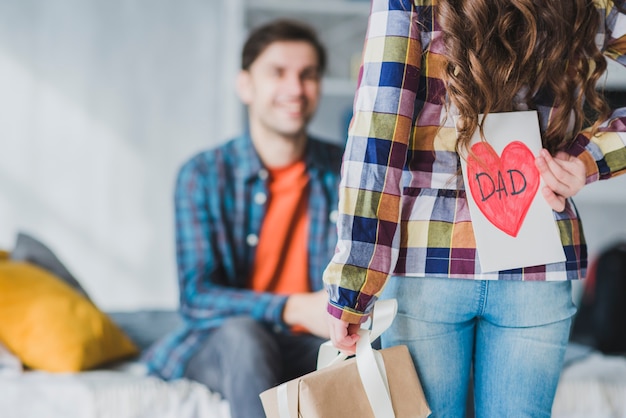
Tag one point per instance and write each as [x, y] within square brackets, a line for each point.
[554, 175]
[343, 335]
[555, 201]
[563, 175]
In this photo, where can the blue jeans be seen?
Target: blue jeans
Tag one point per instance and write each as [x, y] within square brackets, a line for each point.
[243, 358]
[511, 336]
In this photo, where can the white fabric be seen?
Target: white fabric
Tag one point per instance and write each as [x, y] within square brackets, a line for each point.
[10, 364]
[106, 394]
[592, 387]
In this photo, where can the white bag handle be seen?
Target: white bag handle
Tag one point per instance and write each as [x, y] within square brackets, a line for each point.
[382, 316]
[374, 377]
[369, 363]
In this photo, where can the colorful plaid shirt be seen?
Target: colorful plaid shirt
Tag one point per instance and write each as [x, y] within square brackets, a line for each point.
[403, 208]
[220, 205]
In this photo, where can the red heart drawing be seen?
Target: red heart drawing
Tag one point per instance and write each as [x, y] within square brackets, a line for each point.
[503, 187]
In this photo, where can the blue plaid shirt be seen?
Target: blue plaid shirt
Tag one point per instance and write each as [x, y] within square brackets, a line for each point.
[218, 222]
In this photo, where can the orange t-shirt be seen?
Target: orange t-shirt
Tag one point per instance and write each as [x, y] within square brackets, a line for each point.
[281, 262]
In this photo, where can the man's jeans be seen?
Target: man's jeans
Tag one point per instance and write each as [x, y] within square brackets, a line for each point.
[243, 358]
[511, 335]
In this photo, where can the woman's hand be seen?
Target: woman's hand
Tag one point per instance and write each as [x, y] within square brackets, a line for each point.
[563, 175]
[343, 334]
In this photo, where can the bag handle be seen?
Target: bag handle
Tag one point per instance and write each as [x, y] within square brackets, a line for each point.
[369, 361]
[382, 316]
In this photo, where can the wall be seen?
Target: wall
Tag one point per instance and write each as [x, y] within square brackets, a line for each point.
[100, 102]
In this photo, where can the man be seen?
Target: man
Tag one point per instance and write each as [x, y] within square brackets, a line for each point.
[255, 229]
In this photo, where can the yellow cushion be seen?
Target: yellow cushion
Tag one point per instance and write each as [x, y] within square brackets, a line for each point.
[51, 327]
[4, 255]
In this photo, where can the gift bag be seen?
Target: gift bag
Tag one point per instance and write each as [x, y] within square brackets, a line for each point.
[373, 384]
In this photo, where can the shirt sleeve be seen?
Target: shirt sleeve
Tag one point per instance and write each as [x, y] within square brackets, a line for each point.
[376, 151]
[206, 293]
[604, 153]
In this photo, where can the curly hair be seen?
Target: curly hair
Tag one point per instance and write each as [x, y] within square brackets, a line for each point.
[502, 52]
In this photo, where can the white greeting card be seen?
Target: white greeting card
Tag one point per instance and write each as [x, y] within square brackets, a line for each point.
[513, 224]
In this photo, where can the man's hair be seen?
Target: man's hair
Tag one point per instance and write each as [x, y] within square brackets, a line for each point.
[282, 30]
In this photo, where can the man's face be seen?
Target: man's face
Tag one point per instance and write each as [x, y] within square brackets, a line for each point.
[281, 88]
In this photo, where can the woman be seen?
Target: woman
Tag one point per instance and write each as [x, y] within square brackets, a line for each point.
[404, 221]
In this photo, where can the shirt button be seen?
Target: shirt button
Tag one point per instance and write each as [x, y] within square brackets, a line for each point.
[260, 198]
[252, 240]
[334, 215]
[263, 174]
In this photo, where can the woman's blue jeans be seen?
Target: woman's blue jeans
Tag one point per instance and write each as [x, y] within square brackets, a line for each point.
[510, 336]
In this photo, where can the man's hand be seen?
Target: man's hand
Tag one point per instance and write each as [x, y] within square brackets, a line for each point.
[308, 310]
[343, 334]
[564, 176]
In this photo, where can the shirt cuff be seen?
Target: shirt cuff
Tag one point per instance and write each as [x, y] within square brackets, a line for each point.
[346, 314]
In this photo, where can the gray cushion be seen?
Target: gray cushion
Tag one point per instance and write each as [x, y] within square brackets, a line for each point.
[31, 250]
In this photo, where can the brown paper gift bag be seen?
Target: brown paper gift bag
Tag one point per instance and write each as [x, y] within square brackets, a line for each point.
[337, 391]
